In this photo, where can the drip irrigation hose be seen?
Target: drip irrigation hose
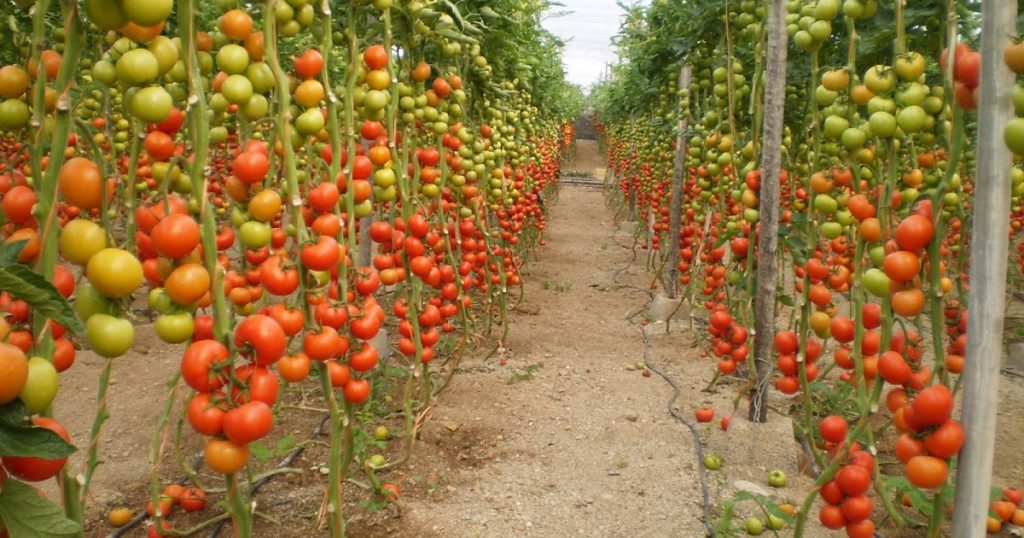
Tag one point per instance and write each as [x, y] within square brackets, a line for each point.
[670, 405]
[288, 460]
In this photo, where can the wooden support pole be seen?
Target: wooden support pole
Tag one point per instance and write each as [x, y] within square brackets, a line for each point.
[768, 240]
[675, 211]
[989, 245]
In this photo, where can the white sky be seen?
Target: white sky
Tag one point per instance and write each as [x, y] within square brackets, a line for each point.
[587, 31]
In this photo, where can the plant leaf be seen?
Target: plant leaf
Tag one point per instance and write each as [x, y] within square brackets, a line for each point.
[9, 252]
[28, 515]
[20, 439]
[29, 286]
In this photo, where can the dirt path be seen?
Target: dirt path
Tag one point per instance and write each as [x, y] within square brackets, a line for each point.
[585, 447]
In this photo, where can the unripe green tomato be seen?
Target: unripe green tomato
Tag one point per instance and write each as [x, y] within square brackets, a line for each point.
[41, 386]
[109, 336]
[830, 230]
[175, 328]
[876, 282]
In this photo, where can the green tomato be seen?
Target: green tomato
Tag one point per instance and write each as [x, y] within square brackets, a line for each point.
[232, 59]
[712, 462]
[775, 522]
[825, 204]
[753, 526]
[147, 12]
[377, 460]
[776, 478]
[877, 255]
[876, 282]
[237, 89]
[310, 122]
[109, 336]
[175, 328]
[137, 67]
[254, 234]
[152, 104]
[883, 124]
[159, 301]
[381, 433]
[107, 14]
[1013, 134]
[831, 230]
[89, 301]
[14, 114]
[912, 119]
[41, 387]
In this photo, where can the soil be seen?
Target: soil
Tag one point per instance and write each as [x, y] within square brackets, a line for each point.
[559, 432]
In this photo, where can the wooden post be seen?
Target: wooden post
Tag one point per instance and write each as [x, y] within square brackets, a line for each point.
[767, 245]
[675, 211]
[989, 242]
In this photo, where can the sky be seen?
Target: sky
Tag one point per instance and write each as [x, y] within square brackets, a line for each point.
[587, 30]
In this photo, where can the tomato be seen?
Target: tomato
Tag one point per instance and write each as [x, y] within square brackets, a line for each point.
[14, 367]
[356, 391]
[927, 472]
[205, 413]
[80, 239]
[322, 345]
[946, 440]
[365, 359]
[376, 57]
[198, 362]
[37, 469]
[893, 368]
[861, 529]
[14, 81]
[193, 499]
[109, 336]
[933, 405]
[914, 232]
[704, 414]
[251, 166]
[278, 280]
[853, 480]
[1013, 134]
[294, 368]
[18, 204]
[309, 64]
[968, 69]
[175, 328]
[831, 517]
[119, 517]
[248, 422]
[41, 386]
[322, 255]
[115, 273]
[857, 508]
[263, 336]
[176, 235]
[81, 184]
[833, 429]
[151, 104]
[340, 374]
[225, 457]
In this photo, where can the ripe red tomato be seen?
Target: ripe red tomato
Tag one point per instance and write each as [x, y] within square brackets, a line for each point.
[37, 469]
[248, 422]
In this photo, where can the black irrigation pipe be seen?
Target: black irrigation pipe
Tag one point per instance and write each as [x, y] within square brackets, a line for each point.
[670, 405]
[288, 460]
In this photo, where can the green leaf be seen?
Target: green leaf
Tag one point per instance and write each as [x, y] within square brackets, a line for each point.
[28, 515]
[29, 286]
[9, 252]
[20, 439]
[260, 452]
[455, 36]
